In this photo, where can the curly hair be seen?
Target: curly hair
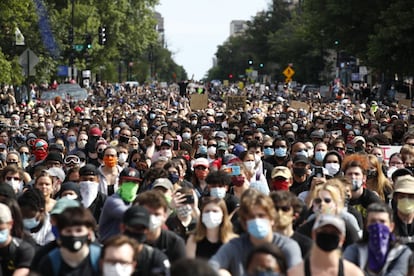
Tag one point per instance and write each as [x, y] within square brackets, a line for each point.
[355, 160]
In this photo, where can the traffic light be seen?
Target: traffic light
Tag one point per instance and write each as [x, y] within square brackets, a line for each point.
[70, 35]
[261, 65]
[230, 76]
[88, 41]
[250, 62]
[102, 35]
[336, 42]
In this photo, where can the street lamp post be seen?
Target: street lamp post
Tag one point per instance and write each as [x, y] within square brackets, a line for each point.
[71, 40]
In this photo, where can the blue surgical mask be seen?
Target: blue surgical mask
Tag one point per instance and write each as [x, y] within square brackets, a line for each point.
[320, 155]
[202, 150]
[280, 152]
[4, 235]
[348, 126]
[30, 223]
[258, 227]
[268, 151]
[218, 192]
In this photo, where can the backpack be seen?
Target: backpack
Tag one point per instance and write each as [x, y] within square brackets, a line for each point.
[94, 255]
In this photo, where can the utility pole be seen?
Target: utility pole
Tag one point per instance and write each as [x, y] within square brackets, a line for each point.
[71, 40]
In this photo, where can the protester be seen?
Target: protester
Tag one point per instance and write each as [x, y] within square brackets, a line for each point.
[325, 257]
[378, 252]
[257, 215]
[213, 229]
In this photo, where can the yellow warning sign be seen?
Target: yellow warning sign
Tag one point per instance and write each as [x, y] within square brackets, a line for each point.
[288, 72]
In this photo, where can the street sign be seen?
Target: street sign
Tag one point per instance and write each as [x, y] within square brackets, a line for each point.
[287, 80]
[28, 60]
[288, 72]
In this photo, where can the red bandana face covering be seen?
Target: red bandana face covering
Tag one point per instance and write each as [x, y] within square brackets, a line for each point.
[280, 185]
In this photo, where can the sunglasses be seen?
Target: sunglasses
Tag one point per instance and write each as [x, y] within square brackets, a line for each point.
[9, 178]
[319, 200]
[338, 148]
[283, 208]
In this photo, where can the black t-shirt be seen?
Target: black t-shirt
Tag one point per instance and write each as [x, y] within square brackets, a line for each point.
[170, 244]
[151, 261]
[304, 242]
[298, 187]
[18, 254]
[361, 204]
[206, 249]
[174, 224]
[41, 252]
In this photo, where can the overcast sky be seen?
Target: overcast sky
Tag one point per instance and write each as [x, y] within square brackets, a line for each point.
[194, 28]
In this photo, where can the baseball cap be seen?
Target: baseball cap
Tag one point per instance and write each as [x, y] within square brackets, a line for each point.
[222, 145]
[136, 215]
[201, 162]
[166, 143]
[3, 146]
[163, 183]
[220, 135]
[5, 214]
[328, 219]
[95, 131]
[56, 146]
[54, 156]
[88, 169]
[404, 184]
[70, 186]
[300, 159]
[63, 203]
[130, 174]
[57, 172]
[281, 171]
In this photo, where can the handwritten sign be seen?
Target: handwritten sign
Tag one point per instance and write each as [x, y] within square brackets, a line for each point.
[235, 102]
[388, 151]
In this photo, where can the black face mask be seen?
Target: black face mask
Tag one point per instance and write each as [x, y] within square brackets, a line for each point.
[299, 171]
[327, 242]
[101, 155]
[72, 243]
[139, 237]
[123, 139]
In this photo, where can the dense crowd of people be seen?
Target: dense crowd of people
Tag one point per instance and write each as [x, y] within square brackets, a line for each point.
[134, 181]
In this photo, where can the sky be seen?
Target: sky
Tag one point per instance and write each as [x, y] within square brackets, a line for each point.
[195, 28]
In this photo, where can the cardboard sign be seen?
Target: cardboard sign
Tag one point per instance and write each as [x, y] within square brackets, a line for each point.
[199, 101]
[235, 102]
[388, 151]
[298, 105]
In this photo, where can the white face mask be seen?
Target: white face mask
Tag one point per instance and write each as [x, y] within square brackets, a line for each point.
[122, 157]
[89, 191]
[166, 153]
[211, 150]
[186, 135]
[155, 222]
[249, 165]
[212, 219]
[332, 168]
[15, 184]
[232, 136]
[117, 269]
[73, 197]
[82, 144]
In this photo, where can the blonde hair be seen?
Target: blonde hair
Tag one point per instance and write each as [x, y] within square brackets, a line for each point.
[336, 189]
[252, 197]
[226, 227]
[380, 183]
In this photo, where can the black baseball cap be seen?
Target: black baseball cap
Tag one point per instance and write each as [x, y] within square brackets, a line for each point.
[88, 169]
[136, 216]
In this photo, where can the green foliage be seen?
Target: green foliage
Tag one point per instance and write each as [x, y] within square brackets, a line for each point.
[129, 28]
[377, 32]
